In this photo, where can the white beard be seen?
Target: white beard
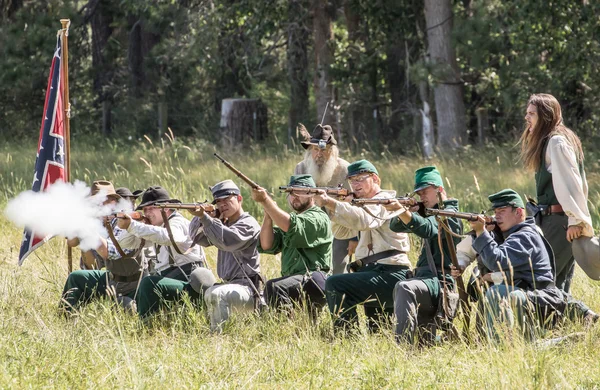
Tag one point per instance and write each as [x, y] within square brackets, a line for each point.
[321, 174]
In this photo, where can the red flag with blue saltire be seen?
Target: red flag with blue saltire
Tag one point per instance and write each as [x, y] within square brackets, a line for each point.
[51, 154]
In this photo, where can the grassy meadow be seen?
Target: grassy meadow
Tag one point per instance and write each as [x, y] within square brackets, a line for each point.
[104, 348]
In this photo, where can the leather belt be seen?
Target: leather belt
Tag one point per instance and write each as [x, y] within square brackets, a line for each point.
[125, 279]
[554, 209]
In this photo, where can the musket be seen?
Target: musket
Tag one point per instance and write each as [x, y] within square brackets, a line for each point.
[338, 192]
[208, 207]
[136, 215]
[404, 201]
[238, 173]
[441, 217]
[456, 214]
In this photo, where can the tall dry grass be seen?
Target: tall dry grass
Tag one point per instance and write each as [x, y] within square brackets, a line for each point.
[104, 347]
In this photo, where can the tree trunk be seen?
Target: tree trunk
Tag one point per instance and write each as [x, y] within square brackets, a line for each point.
[243, 120]
[106, 118]
[427, 133]
[355, 108]
[163, 117]
[297, 63]
[323, 15]
[483, 125]
[448, 91]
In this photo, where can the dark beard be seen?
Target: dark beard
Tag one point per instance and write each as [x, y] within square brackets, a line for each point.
[303, 207]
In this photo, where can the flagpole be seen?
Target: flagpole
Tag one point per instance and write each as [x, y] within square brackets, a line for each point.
[65, 74]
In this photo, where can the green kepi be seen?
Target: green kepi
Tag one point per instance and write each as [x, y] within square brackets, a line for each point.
[427, 176]
[507, 197]
[361, 166]
[302, 181]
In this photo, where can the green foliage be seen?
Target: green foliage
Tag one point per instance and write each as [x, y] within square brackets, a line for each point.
[194, 53]
[511, 49]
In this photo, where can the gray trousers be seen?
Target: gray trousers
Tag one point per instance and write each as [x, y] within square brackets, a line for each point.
[340, 250]
[414, 310]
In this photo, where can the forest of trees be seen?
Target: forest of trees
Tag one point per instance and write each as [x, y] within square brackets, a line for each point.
[384, 67]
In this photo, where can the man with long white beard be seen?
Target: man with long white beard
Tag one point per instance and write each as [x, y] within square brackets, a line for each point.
[322, 162]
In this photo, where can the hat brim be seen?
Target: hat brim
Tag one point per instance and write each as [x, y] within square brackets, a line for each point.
[315, 142]
[223, 197]
[423, 186]
[150, 203]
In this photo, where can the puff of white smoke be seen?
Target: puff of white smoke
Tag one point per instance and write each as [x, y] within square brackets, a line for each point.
[64, 209]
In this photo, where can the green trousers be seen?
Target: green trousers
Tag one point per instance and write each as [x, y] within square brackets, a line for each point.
[155, 290]
[82, 286]
[373, 285]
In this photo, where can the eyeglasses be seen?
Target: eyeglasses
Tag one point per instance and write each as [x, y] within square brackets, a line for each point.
[359, 179]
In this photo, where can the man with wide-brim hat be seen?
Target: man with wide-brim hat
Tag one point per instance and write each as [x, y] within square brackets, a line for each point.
[125, 193]
[124, 267]
[322, 162]
[303, 238]
[235, 234]
[417, 300]
[176, 254]
[381, 253]
[101, 191]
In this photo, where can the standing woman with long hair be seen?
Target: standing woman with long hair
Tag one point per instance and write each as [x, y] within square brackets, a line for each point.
[554, 153]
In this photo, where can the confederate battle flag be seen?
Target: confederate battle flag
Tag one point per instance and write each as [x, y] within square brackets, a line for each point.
[50, 160]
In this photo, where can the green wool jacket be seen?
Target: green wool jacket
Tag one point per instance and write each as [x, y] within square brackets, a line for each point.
[306, 245]
[427, 228]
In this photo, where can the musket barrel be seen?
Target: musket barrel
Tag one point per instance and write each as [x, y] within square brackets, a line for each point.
[333, 191]
[185, 206]
[457, 214]
[134, 215]
[403, 201]
[237, 172]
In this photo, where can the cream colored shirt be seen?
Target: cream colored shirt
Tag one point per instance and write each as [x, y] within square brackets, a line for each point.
[349, 221]
[570, 186]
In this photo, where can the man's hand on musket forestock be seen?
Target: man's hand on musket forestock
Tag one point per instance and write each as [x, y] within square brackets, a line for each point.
[394, 206]
[479, 225]
[259, 195]
[123, 221]
[198, 211]
[456, 272]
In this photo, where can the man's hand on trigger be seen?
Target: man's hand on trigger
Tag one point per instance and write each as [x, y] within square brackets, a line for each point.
[198, 211]
[321, 198]
[479, 225]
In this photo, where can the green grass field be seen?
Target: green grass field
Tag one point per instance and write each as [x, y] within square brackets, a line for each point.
[103, 347]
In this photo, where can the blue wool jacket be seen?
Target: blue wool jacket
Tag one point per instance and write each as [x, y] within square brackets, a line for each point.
[523, 250]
